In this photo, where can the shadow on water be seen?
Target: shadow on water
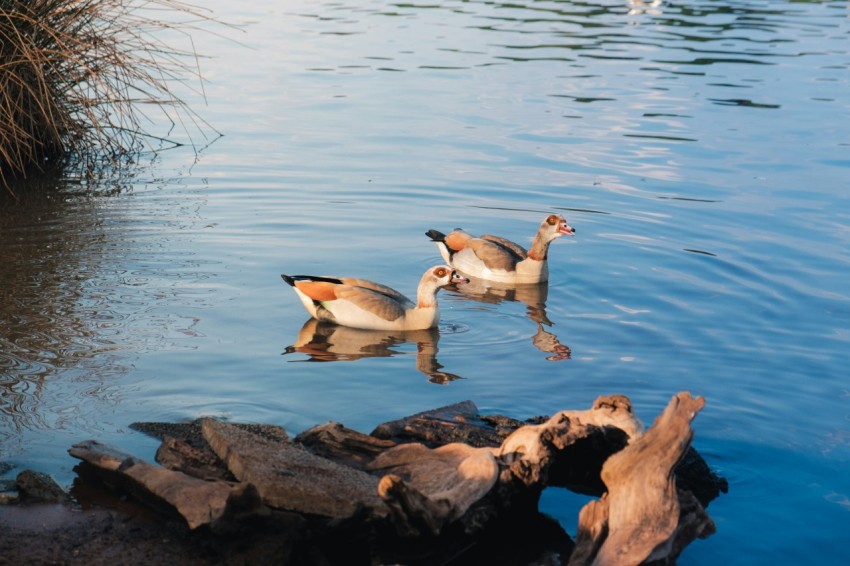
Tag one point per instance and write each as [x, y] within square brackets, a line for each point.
[326, 342]
[533, 296]
[52, 246]
[90, 282]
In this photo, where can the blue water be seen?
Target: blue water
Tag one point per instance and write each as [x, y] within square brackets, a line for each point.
[701, 151]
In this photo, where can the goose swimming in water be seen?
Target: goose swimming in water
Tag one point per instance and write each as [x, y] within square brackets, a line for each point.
[360, 303]
[497, 259]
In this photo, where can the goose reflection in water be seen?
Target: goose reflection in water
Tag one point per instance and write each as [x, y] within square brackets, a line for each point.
[533, 295]
[651, 7]
[327, 342]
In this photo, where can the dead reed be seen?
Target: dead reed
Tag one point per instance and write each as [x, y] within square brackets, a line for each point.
[79, 77]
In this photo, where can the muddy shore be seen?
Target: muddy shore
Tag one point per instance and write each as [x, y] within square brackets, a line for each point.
[56, 533]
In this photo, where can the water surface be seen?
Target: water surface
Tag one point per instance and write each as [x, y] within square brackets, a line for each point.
[700, 150]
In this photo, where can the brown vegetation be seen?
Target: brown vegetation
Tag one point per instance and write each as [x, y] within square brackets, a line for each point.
[76, 77]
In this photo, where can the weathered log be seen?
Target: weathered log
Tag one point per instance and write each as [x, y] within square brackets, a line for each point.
[185, 449]
[180, 456]
[637, 519]
[199, 502]
[460, 422]
[694, 475]
[533, 449]
[289, 477]
[343, 445]
[445, 480]
[694, 523]
[577, 468]
[427, 488]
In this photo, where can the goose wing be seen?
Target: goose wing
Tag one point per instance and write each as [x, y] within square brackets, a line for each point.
[388, 306]
[376, 287]
[515, 248]
[494, 255]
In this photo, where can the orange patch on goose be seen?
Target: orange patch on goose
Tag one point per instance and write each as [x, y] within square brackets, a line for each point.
[456, 241]
[317, 290]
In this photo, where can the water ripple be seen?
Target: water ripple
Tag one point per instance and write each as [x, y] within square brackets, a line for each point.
[699, 148]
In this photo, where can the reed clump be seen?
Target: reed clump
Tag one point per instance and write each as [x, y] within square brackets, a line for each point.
[79, 79]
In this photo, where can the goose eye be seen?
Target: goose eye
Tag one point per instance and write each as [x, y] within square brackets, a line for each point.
[440, 272]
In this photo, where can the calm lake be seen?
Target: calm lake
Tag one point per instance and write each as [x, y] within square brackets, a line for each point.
[701, 150]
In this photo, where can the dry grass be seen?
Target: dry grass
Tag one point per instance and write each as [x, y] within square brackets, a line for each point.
[77, 78]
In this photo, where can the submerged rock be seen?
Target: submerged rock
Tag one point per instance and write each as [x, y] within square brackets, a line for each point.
[39, 486]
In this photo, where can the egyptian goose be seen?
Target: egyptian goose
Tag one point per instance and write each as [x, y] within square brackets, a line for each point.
[365, 304]
[497, 259]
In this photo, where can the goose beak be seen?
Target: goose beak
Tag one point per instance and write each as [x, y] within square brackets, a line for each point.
[566, 229]
[458, 279]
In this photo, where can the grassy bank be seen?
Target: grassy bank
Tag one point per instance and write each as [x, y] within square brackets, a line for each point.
[78, 77]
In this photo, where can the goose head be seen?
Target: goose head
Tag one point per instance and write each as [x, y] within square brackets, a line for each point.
[555, 226]
[443, 275]
[432, 281]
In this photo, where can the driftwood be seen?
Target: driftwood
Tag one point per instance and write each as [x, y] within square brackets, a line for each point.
[639, 518]
[441, 482]
[199, 502]
[428, 488]
[290, 477]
